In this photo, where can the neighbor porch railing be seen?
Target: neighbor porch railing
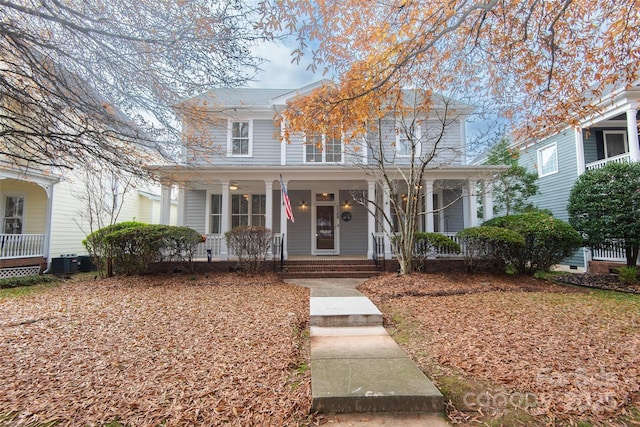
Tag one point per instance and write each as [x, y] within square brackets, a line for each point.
[622, 158]
[614, 251]
[21, 245]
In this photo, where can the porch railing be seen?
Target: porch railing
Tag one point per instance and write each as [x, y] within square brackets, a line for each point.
[379, 242]
[622, 158]
[21, 245]
[614, 251]
[212, 247]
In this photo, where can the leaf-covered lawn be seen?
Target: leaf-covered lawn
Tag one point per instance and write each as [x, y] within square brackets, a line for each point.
[148, 351]
[560, 352]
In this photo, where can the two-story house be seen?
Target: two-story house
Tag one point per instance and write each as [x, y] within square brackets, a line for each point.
[610, 135]
[234, 176]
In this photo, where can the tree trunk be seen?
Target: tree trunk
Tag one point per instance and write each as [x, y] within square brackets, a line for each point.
[631, 253]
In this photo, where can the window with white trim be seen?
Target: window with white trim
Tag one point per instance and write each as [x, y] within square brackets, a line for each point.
[13, 214]
[548, 160]
[615, 143]
[215, 219]
[404, 143]
[240, 138]
[248, 209]
[323, 149]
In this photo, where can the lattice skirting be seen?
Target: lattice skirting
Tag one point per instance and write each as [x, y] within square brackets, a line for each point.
[31, 270]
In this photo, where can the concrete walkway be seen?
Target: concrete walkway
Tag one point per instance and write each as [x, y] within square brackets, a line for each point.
[359, 375]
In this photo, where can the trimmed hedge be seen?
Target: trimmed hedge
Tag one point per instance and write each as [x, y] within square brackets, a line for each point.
[548, 240]
[133, 247]
[494, 244]
[14, 282]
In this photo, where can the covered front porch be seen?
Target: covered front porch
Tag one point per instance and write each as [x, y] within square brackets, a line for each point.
[26, 203]
[338, 214]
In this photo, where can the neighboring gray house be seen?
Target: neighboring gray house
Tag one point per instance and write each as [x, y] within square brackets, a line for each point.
[611, 135]
[235, 179]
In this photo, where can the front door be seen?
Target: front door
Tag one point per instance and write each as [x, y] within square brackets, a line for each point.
[325, 229]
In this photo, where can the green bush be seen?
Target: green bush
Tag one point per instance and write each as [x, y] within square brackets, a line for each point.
[492, 245]
[133, 247]
[251, 245]
[548, 240]
[628, 275]
[98, 248]
[14, 282]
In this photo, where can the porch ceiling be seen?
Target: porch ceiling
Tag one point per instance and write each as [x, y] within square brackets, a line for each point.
[210, 175]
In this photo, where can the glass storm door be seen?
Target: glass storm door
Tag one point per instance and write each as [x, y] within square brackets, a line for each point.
[325, 228]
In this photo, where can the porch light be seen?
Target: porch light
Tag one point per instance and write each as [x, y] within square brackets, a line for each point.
[233, 186]
[347, 205]
[303, 205]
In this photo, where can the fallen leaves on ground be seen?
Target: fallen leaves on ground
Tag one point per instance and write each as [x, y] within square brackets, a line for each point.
[154, 351]
[578, 353]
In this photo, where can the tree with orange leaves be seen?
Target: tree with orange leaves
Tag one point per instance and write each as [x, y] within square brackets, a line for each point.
[538, 63]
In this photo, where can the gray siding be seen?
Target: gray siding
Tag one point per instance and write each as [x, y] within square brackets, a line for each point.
[590, 146]
[195, 211]
[299, 233]
[454, 212]
[266, 143]
[353, 234]
[554, 189]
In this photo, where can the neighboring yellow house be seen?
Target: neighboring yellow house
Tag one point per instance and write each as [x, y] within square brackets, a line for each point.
[44, 217]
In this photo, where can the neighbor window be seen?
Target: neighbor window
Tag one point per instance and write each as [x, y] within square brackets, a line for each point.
[322, 149]
[13, 214]
[548, 160]
[615, 143]
[240, 135]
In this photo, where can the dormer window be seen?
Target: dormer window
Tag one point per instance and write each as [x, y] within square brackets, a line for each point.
[323, 149]
[240, 138]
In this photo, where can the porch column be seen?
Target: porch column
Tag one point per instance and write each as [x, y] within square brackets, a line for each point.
[47, 224]
[268, 205]
[441, 207]
[165, 204]
[632, 133]
[428, 206]
[579, 151]
[283, 226]
[487, 200]
[371, 216]
[182, 205]
[225, 219]
[470, 204]
[386, 224]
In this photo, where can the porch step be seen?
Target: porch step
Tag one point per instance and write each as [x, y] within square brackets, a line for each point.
[299, 269]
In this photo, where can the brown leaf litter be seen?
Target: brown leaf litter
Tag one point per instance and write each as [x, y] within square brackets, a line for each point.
[157, 351]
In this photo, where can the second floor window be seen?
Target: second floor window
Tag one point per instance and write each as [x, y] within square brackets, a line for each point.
[548, 160]
[240, 134]
[322, 149]
[404, 143]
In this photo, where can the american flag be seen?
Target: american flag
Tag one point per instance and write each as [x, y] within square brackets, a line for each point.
[286, 202]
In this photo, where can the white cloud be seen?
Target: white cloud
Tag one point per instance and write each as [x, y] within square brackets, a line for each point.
[278, 72]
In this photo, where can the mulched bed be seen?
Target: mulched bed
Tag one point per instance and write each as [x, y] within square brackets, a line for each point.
[577, 352]
[599, 281]
[154, 351]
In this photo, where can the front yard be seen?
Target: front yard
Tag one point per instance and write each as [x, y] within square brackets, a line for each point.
[230, 349]
[516, 350]
[156, 351]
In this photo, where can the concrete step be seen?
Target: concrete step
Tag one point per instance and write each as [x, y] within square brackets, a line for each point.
[363, 370]
[328, 274]
[344, 311]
